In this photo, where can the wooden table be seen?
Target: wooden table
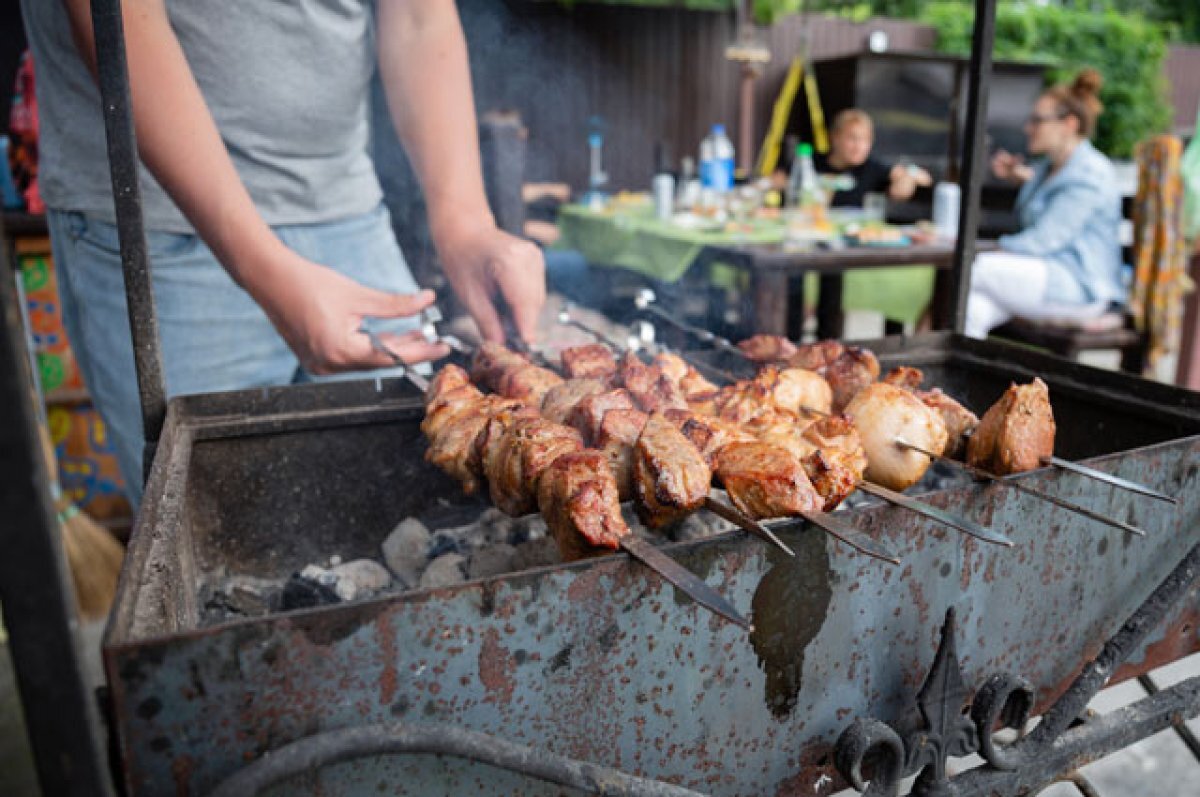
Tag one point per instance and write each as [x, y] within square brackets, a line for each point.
[777, 279]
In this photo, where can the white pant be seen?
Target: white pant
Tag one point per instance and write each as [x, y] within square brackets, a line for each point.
[1006, 285]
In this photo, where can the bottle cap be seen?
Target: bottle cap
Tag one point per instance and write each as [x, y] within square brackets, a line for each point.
[719, 129]
[804, 149]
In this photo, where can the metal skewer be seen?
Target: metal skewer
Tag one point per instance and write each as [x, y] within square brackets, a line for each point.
[1107, 478]
[932, 512]
[685, 579]
[979, 473]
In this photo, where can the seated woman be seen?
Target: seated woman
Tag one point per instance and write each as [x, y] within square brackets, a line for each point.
[1066, 260]
[850, 141]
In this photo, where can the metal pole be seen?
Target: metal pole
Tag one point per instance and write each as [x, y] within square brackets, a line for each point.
[135, 262]
[974, 155]
[61, 718]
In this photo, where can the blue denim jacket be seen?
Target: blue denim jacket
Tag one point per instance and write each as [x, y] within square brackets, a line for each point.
[1071, 220]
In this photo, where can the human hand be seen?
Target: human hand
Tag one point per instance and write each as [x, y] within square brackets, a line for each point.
[1013, 168]
[904, 179]
[483, 262]
[320, 314]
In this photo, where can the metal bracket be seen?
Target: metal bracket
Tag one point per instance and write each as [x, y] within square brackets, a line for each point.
[874, 757]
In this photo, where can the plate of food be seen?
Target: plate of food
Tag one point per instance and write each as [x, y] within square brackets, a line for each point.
[875, 235]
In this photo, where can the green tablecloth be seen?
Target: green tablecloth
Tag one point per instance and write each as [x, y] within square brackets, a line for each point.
[632, 238]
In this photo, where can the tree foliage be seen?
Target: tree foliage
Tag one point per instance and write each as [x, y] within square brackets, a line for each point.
[1127, 49]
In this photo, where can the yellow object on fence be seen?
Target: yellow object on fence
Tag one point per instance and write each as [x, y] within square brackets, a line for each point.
[768, 156]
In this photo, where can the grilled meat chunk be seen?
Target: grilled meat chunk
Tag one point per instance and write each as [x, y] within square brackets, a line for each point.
[906, 377]
[527, 383]
[561, 399]
[767, 348]
[672, 365]
[765, 481]
[447, 378]
[577, 495]
[449, 405]
[960, 421]
[670, 477]
[1015, 432]
[619, 432]
[454, 448]
[525, 449]
[817, 356]
[831, 477]
[709, 435]
[491, 361]
[650, 388]
[589, 412]
[594, 360]
[883, 413]
[852, 371]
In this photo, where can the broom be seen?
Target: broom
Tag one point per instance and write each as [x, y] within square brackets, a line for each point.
[93, 554]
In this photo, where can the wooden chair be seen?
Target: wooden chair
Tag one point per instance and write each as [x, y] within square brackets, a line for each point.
[1068, 338]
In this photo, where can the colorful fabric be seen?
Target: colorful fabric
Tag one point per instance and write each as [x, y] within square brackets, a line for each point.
[1160, 263]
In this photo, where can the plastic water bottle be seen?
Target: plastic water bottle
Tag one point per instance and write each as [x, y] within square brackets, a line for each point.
[804, 187]
[716, 161]
[947, 199]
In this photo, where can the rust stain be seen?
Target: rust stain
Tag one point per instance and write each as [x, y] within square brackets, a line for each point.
[387, 651]
[1180, 639]
[181, 770]
[496, 668]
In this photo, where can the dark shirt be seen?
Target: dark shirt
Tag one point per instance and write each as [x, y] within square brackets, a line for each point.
[870, 176]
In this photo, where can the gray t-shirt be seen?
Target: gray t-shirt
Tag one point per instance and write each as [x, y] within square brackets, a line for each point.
[286, 82]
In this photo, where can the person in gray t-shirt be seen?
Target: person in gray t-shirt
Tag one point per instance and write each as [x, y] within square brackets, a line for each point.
[268, 239]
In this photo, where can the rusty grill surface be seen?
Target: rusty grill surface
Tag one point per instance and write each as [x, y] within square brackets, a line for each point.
[602, 661]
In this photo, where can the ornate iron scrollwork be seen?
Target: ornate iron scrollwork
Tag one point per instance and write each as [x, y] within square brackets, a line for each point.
[944, 730]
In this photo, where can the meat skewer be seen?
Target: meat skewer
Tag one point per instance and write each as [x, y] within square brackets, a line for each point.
[531, 461]
[770, 348]
[829, 353]
[651, 461]
[984, 475]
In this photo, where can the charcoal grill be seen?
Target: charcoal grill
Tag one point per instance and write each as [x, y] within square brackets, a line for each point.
[601, 661]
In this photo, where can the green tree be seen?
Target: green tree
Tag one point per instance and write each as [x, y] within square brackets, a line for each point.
[1126, 48]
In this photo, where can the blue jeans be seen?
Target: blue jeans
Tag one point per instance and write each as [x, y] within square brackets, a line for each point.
[213, 336]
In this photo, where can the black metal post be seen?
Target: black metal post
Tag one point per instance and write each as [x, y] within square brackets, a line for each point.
[39, 612]
[135, 261]
[974, 155]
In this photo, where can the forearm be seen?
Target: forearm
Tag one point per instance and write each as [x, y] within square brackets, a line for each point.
[179, 143]
[426, 76]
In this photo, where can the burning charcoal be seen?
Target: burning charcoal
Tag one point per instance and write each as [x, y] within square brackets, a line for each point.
[536, 553]
[443, 543]
[498, 527]
[528, 528]
[360, 578]
[406, 550]
[251, 597]
[312, 586]
[491, 560]
[444, 571]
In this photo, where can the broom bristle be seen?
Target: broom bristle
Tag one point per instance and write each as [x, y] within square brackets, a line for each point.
[95, 557]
